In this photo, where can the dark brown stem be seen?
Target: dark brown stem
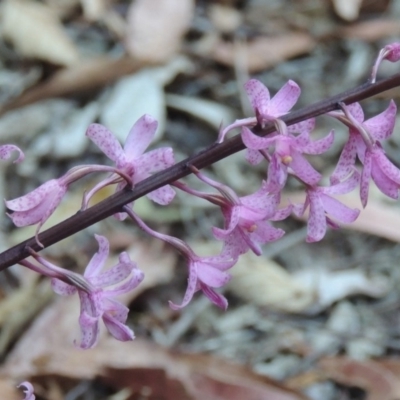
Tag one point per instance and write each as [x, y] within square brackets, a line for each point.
[206, 157]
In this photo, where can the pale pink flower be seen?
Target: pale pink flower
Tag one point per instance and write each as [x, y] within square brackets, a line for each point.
[205, 273]
[265, 108]
[131, 159]
[96, 301]
[28, 390]
[364, 142]
[289, 150]
[323, 207]
[7, 149]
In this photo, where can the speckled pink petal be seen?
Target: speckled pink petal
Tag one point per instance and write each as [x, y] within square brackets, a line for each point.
[114, 275]
[302, 127]
[212, 276]
[381, 126]
[266, 233]
[282, 213]
[261, 201]
[356, 111]
[389, 169]
[384, 184]
[62, 288]
[106, 142]
[365, 178]
[342, 187]
[304, 170]
[97, 261]
[140, 136]
[89, 330]
[284, 99]
[153, 161]
[134, 280]
[216, 298]
[231, 221]
[316, 226]
[118, 310]
[338, 210]
[313, 147]
[346, 161]
[258, 94]
[253, 157]
[163, 195]
[252, 141]
[117, 329]
[7, 149]
[191, 288]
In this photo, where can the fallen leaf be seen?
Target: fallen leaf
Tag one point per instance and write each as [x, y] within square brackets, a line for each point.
[264, 52]
[379, 378]
[35, 31]
[371, 31]
[80, 78]
[156, 28]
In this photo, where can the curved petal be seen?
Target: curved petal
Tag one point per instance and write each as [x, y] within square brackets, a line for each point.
[266, 233]
[89, 330]
[284, 99]
[114, 275]
[254, 142]
[356, 111]
[191, 288]
[140, 136]
[97, 261]
[381, 126]
[116, 309]
[28, 390]
[384, 183]
[163, 195]
[234, 245]
[317, 147]
[105, 140]
[338, 210]
[343, 187]
[232, 217]
[258, 94]
[153, 161]
[117, 329]
[37, 196]
[389, 169]
[302, 127]
[316, 226]
[7, 149]
[211, 276]
[365, 178]
[218, 299]
[304, 170]
[346, 161]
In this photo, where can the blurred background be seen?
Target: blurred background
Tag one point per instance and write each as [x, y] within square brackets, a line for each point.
[305, 321]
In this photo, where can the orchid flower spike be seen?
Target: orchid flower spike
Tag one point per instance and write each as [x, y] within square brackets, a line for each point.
[205, 273]
[131, 159]
[96, 301]
[323, 207]
[28, 390]
[7, 149]
[265, 108]
[390, 52]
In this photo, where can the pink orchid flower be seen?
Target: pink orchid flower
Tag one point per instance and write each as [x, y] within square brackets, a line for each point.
[289, 149]
[205, 273]
[7, 149]
[364, 142]
[246, 218]
[96, 301]
[323, 207]
[131, 159]
[265, 108]
[28, 390]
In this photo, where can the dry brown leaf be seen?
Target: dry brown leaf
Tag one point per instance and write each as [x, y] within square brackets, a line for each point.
[35, 31]
[156, 28]
[379, 219]
[371, 31]
[86, 76]
[264, 52]
[380, 378]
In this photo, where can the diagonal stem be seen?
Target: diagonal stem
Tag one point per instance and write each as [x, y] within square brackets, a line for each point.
[204, 158]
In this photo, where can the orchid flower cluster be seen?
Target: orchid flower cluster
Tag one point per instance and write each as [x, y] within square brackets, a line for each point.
[248, 220]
